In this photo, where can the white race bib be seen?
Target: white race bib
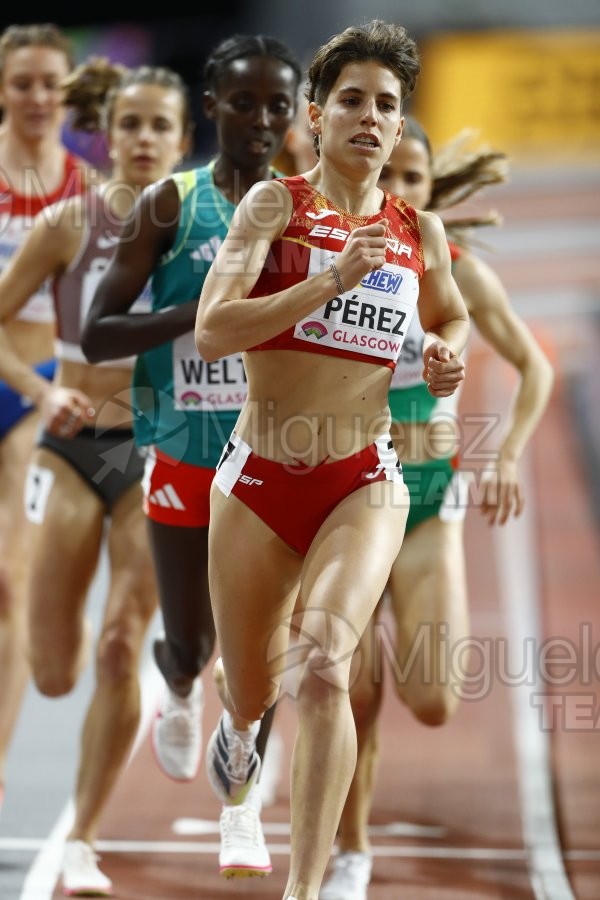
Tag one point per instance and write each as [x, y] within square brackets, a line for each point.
[13, 232]
[371, 318]
[206, 386]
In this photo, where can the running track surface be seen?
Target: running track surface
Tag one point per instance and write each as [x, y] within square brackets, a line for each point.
[503, 801]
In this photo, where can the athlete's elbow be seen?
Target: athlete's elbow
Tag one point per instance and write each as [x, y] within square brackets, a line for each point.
[90, 345]
[546, 374]
[539, 370]
[207, 344]
[548, 371]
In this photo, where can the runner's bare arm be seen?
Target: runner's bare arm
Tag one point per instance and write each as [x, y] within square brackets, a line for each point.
[227, 321]
[47, 251]
[443, 314]
[109, 331]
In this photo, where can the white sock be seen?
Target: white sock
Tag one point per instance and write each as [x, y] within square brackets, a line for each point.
[254, 799]
[248, 733]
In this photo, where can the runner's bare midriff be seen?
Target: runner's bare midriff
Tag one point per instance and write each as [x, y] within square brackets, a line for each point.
[108, 389]
[319, 409]
[33, 342]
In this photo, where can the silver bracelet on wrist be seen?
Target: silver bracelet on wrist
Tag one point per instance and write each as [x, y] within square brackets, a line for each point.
[336, 278]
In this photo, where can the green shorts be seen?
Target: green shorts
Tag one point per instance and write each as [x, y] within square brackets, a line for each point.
[436, 489]
[411, 404]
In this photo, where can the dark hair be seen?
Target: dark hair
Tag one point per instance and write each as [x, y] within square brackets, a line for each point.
[45, 35]
[241, 46]
[380, 41]
[91, 91]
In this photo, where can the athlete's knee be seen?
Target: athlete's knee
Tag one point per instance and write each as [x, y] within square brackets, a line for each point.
[432, 706]
[325, 675]
[50, 680]
[117, 656]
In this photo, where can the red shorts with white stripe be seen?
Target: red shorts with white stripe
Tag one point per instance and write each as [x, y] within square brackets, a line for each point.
[175, 492]
[294, 500]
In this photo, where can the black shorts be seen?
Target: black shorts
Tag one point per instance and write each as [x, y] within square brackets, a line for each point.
[109, 463]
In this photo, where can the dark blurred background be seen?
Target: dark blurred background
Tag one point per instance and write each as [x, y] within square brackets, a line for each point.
[527, 75]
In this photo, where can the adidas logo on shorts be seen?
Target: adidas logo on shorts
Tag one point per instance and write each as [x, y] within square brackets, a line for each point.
[167, 497]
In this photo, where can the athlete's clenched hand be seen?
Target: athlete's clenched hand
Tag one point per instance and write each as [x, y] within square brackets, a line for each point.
[364, 252]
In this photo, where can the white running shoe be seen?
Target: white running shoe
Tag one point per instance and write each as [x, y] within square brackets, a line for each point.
[177, 733]
[232, 763]
[270, 771]
[243, 849]
[81, 877]
[350, 878]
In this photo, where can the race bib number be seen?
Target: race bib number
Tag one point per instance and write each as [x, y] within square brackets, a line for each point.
[206, 386]
[371, 318]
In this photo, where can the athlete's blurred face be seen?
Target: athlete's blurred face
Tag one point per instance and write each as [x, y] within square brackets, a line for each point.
[252, 108]
[407, 173]
[300, 140]
[30, 92]
[147, 137]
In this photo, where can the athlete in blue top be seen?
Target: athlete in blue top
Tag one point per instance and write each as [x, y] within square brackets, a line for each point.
[185, 407]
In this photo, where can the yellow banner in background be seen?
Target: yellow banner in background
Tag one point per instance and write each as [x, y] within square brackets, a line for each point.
[529, 93]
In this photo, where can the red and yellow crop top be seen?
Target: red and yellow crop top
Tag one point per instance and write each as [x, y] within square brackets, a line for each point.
[368, 322]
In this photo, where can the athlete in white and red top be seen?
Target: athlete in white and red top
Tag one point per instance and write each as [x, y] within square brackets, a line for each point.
[84, 481]
[35, 171]
[314, 432]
